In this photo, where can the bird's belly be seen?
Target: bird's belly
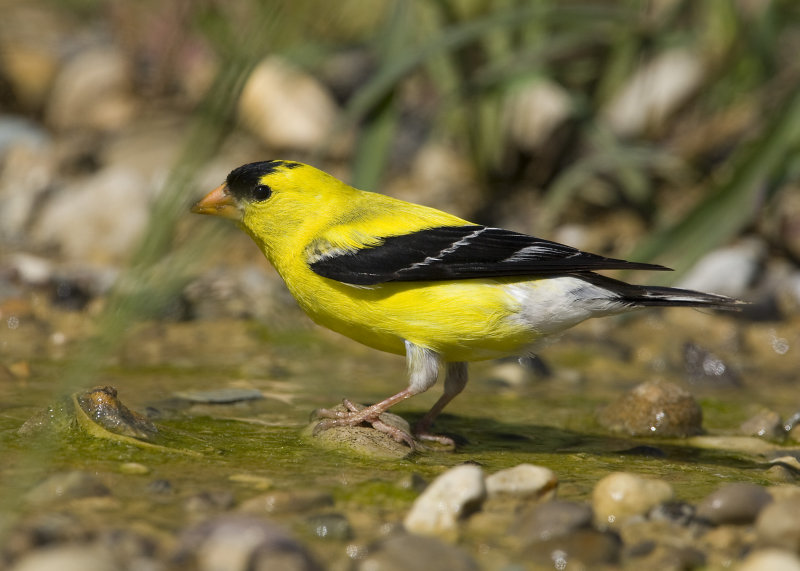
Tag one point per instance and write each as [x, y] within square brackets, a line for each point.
[467, 320]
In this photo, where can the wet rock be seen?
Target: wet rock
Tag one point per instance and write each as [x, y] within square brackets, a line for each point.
[525, 481]
[449, 498]
[285, 107]
[654, 408]
[83, 220]
[103, 407]
[704, 369]
[93, 90]
[67, 558]
[652, 555]
[552, 519]
[733, 504]
[403, 552]
[766, 424]
[68, 486]
[584, 548]
[362, 440]
[621, 496]
[333, 526]
[287, 501]
[778, 525]
[241, 543]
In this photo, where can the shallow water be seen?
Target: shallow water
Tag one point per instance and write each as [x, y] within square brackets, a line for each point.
[248, 446]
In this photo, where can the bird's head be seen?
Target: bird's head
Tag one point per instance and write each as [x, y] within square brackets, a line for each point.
[271, 200]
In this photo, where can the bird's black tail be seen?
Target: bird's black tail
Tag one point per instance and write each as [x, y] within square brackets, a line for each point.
[638, 295]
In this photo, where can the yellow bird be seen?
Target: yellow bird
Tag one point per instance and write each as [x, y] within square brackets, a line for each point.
[415, 281]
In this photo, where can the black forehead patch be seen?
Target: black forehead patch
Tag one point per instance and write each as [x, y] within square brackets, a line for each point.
[242, 180]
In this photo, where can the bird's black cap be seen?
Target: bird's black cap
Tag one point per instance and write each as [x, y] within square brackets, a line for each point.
[242, 180]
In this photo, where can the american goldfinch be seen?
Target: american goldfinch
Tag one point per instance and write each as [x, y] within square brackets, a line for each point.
[415, 281]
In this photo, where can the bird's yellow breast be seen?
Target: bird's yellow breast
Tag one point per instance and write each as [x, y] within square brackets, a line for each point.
[465, 320]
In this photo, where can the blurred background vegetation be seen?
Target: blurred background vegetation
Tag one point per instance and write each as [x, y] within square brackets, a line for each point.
[658, 130]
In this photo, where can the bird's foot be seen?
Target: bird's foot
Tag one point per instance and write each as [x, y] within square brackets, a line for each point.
[355, 415]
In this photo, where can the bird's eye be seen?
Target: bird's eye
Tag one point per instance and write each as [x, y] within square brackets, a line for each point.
[261, 192]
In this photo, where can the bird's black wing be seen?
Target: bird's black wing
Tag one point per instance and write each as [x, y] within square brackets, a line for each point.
[460, 252]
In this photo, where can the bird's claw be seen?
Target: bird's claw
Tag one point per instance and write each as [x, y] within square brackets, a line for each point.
[357, 414]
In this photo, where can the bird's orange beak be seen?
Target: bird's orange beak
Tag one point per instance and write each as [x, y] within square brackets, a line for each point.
[218, 202]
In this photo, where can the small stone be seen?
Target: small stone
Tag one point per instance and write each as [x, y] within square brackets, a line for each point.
[134, 469]
[770, 560]
[334, 527]
[92, 91]
[68, 486]
[285, 107]
[67, 558]
[82, 220]
[765, 424]
[648, 97]
[523, 481]
[620, 496]
[449, 498]
[654, 408]
[579, 550]
[778, 525]
[403, 552]
[104, 408]
[728, 271]
[733, 504]
[287, 501]
[362, 440]
[552, 519]
[241, 542]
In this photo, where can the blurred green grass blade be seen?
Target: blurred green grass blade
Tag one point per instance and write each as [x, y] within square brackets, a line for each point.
[376, 136]
[735, 202]
[456, 37]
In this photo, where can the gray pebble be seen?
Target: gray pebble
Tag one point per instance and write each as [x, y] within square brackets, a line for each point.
[584, 548]
[404, 552]
[238, 543]
[552, 519]
[766, 424]
[733, 504]
[778, 524]
[334, 526]
[656, 409]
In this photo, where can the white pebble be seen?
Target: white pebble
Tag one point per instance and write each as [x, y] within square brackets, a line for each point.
[448, 498]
